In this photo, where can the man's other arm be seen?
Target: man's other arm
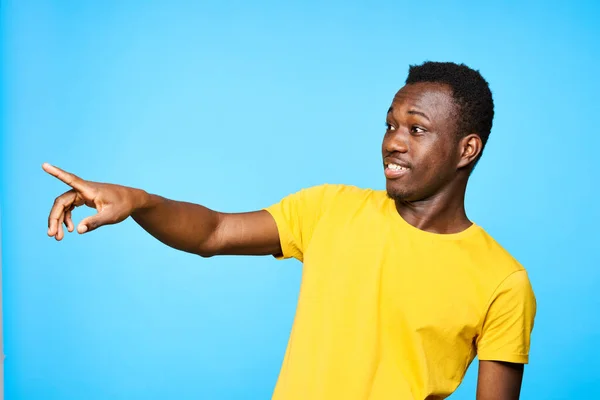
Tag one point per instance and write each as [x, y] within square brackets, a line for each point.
[499, 380]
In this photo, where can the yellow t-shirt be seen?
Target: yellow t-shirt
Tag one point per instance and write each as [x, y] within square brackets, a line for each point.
[388, 311]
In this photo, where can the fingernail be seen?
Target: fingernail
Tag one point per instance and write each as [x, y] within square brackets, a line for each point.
[82, 229]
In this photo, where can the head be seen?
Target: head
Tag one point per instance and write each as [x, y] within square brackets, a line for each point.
[436, 130]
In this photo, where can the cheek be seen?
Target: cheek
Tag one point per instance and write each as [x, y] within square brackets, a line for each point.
[426, 154]
[433, 159]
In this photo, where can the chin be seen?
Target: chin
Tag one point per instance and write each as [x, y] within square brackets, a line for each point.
[398, 194]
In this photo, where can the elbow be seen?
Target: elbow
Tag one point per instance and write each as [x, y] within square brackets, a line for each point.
[212, 244]
[206, 254]
[208, 249]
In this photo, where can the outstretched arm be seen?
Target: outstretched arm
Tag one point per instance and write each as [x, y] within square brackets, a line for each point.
[184, 226]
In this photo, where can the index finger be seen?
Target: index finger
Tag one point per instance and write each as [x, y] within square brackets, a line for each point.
[70, 179]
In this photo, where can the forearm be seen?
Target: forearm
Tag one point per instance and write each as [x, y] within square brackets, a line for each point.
[181, 225]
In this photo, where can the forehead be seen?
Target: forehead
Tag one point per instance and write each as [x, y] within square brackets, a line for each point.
[433, 99]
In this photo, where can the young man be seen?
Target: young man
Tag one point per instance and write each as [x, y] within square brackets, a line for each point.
[400, 290]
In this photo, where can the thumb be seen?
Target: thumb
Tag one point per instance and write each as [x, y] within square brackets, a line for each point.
[90, 223]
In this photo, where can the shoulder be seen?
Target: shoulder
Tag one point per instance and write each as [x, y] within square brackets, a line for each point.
[342, 189]
[497, 270]
[321, 199]
[506, 277]
[342, 193]
[494, 257]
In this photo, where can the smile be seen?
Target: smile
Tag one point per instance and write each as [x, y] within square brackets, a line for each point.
[393, 171]
[396, 167]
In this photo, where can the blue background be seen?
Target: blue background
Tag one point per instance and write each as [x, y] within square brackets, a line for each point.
[234, 105]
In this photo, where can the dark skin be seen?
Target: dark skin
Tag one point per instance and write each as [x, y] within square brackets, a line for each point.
[429, 193]
[421, 133]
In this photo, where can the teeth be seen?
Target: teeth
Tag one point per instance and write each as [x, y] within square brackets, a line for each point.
[396, 167]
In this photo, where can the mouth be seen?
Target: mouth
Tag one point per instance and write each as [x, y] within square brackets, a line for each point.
[393, 170]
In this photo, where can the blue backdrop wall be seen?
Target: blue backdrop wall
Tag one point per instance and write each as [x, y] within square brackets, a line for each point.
[234, 105]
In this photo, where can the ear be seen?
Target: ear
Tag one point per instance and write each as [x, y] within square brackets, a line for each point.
[469, 147]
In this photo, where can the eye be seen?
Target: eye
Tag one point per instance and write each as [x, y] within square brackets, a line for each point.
[416, 129]
[389, 127]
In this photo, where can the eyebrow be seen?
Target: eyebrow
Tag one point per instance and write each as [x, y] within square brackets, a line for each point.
[415, 112]
[412, 112]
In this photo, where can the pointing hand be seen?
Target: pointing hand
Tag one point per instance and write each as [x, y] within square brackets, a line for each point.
[114, 203]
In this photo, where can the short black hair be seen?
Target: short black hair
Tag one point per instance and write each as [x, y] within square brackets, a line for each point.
[471, 93]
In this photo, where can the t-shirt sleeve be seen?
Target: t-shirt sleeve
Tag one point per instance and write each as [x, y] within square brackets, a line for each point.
[507, 327]
[297, 216]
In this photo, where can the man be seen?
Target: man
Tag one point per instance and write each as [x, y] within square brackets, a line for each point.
[400, 290]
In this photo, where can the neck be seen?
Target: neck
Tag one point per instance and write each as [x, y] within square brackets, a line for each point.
[442, 213]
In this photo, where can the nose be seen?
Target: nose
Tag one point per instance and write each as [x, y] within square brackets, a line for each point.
[396, 141]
